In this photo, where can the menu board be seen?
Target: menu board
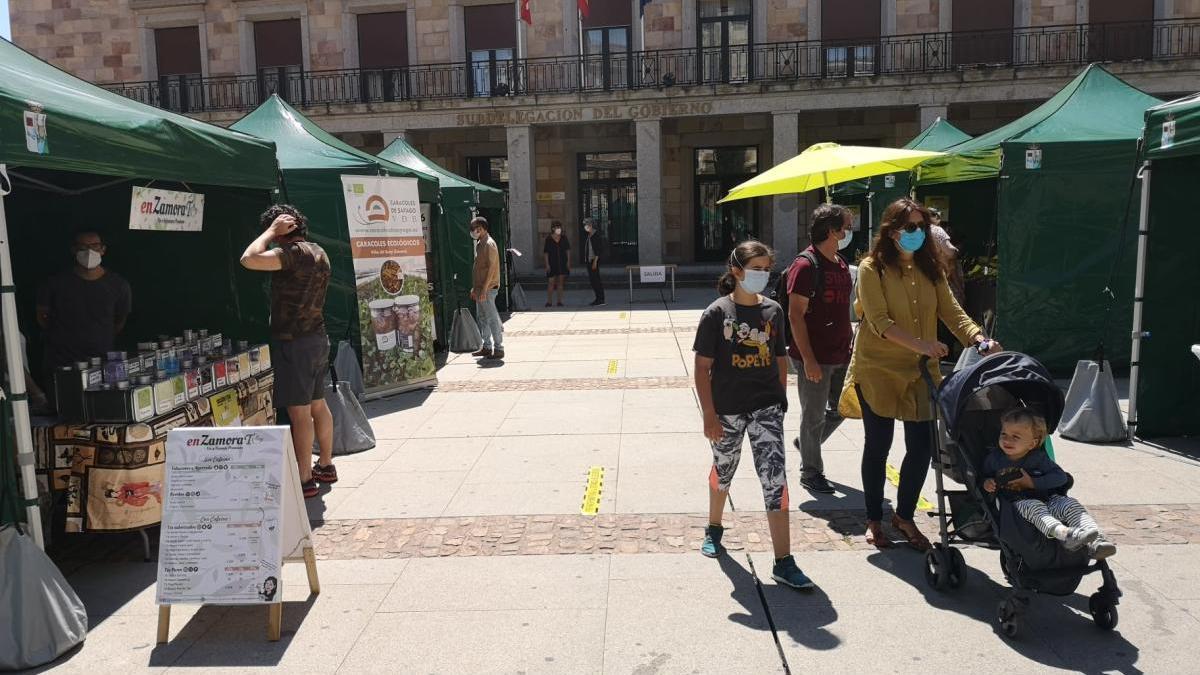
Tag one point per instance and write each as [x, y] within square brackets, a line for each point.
[221, 528]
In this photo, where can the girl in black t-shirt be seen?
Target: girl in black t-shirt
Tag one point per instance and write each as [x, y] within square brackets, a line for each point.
[741, 380]
[556, 253]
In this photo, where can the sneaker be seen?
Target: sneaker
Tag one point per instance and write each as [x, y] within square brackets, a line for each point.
[548, 304]
[324, 474]
[712, 547]
[1079, 537]
[484, 353]
[786, 573]
[496, 355]
[1101, 548]
[818, 483]
[559, 305]
[310, 488]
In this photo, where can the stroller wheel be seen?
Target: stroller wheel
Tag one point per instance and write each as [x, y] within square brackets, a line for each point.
[957, 572]
[937, 568]
[1104, 612]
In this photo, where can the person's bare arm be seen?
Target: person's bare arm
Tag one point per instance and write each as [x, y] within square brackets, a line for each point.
[797, 308]
[258, 256]
[783, 372]
[703, 380]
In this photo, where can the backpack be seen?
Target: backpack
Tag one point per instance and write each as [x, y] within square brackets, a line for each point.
[781, 290]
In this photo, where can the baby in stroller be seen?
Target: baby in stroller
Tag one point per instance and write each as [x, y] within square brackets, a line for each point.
[1021, 471]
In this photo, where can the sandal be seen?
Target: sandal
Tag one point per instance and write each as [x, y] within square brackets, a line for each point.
[909, 529]
[876, 536]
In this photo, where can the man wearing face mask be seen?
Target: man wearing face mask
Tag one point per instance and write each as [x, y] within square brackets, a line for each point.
[819, 286]
[83, 309]
[593, 250]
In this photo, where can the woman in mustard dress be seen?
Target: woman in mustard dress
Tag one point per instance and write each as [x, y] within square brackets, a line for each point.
[902, 294]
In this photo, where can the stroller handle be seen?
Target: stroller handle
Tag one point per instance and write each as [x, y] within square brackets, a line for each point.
[924, 366]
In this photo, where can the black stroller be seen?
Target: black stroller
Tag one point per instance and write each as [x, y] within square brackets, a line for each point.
[968, 408]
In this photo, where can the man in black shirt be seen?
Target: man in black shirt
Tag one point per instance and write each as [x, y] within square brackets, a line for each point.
[593, 250]
[83, 309]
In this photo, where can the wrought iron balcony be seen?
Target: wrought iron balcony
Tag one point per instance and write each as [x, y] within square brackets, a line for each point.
[780, 62]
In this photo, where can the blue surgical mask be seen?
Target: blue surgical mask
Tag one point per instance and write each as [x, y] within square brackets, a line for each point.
[755, 281]
[912, 241]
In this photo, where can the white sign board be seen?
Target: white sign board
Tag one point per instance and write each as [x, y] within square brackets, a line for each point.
[36, 138]
[1033, 159]
[166, 210]
[229, 495]
[655, 274]
[1168, 134]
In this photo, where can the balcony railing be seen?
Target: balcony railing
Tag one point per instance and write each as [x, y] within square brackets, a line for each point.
[780, 62]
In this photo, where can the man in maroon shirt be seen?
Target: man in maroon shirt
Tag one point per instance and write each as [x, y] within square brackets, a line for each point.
[819, 286]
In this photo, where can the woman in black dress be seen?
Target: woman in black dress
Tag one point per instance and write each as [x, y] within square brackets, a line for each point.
[557, 257]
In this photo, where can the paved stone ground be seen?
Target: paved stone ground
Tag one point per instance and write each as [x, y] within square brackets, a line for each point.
[457, 545]
[677, 533]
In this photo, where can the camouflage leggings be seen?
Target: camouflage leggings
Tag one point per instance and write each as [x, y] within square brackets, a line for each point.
[765, 427]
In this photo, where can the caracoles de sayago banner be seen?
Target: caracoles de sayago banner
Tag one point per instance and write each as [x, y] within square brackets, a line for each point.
[395, 314]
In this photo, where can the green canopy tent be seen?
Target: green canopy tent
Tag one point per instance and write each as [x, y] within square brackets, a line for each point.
[461, 200]
[877, 192]
[1164, 381]
[312, 162]
[1062, 179]
[73, 151]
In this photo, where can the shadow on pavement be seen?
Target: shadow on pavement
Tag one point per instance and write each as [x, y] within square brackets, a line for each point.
[801, 615]
[1049, 623]
[400, 402]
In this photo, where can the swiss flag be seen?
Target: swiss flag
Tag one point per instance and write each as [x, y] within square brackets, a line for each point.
[583, 8]
[526, 16]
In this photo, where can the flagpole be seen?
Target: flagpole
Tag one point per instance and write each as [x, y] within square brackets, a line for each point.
[582, 65]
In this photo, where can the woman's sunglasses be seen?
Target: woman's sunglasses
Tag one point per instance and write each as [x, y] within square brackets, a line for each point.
[913, 227]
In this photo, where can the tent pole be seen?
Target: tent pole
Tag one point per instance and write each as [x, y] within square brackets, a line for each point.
[16, 370]
[1139, 290]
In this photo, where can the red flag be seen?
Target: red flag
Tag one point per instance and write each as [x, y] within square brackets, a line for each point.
[526, 16]
[583, 8]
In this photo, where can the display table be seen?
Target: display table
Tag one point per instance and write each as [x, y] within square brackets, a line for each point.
[109, 477]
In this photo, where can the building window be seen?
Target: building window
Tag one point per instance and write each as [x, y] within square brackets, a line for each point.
[720, 227]
[491, 171]
[177, 57]
[491, 37]
[279, 58]
[982, 33]
[725, 39]
[382, 55]
[606, 45]
[608, 195]
[1120, 30]
[850, 31]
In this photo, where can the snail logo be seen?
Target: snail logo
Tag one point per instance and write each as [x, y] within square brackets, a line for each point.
[376, 209]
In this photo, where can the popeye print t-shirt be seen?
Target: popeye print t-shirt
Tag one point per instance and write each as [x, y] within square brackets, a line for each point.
[744, 343]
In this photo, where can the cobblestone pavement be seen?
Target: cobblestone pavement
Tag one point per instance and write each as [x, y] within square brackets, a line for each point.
[630, 330]
[839, 530]
[574, 384]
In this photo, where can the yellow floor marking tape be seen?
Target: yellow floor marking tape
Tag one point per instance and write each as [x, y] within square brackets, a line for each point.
[623, 316]
[893, 477]
[591, 495]
[612, 367]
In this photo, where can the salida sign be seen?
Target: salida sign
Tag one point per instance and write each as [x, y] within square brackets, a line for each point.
[166, 210]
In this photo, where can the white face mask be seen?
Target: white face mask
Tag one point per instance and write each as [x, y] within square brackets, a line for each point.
[755, 281]
[88, 259]
[557, 230]
[845, 241]
[476, 234]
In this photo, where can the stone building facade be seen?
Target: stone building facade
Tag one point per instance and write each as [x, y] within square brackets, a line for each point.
[641, 121]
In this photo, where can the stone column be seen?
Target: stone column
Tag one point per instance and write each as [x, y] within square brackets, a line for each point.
[785, 209]
[649, 203]
[930, 113]
[522, 203]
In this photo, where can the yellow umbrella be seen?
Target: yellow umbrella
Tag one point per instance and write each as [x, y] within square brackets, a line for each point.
[826, 164]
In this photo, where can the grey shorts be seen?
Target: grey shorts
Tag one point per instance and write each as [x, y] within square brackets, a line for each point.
[301, 369]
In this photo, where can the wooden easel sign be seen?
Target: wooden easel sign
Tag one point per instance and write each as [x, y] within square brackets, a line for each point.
[232, 515]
